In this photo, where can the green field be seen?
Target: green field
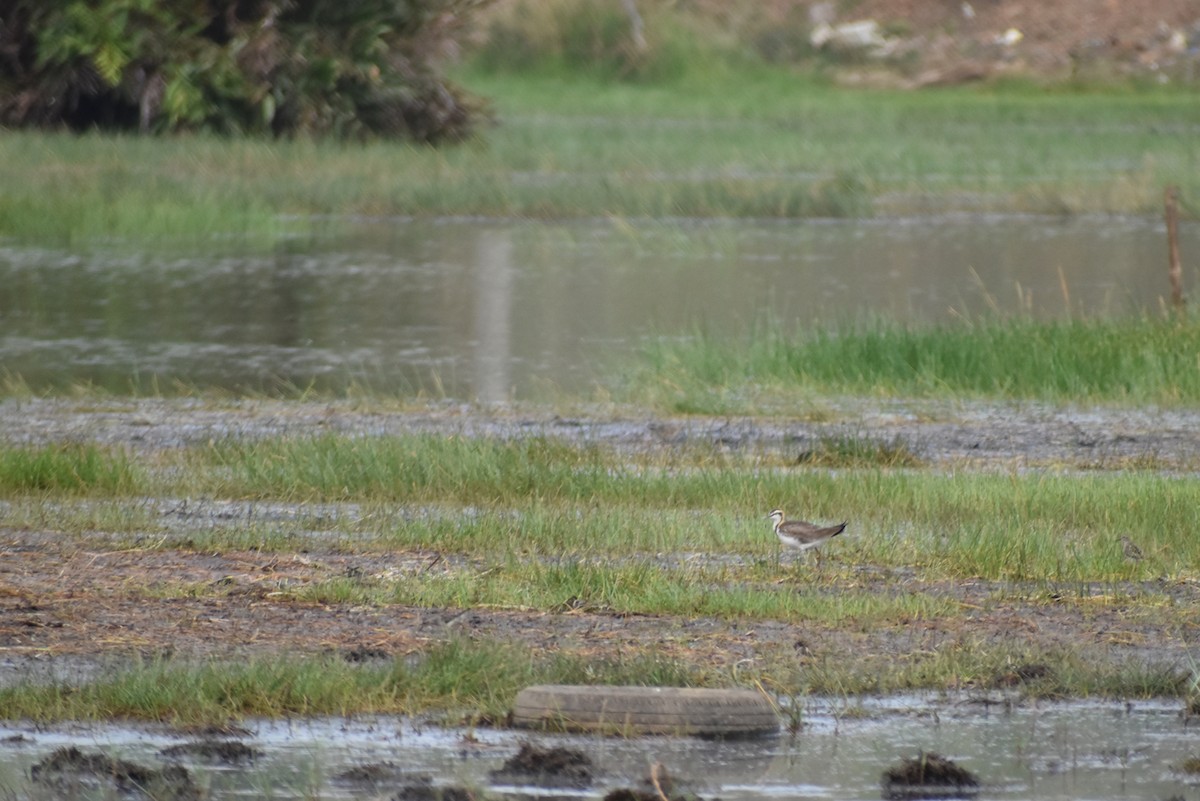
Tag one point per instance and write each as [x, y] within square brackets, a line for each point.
[760, 142]
[1127, 361]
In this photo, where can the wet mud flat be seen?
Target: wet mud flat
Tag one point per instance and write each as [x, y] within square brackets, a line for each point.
[940, 432]
[67, 613]
[948, 744]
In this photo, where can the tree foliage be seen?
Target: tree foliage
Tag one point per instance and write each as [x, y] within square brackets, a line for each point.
[340, 67]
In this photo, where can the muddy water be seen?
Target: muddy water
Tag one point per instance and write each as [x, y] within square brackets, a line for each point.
[1078, 750]
[494, 310]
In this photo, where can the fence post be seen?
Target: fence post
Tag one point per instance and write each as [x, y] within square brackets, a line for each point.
[1174, 268]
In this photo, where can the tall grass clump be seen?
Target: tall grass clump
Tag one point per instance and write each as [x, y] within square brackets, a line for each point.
[66, 468]
[1138, 360]
[412, 467]
[520, 473]
[531, 474]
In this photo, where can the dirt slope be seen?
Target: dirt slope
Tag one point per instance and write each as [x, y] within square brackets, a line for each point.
[953, 40]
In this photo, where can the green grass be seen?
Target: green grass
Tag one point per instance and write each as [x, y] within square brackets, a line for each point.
[334, 467]
[969, 663]
[551, 527]
[478, 681]
[458, 677]
[552, 498]
[1130, 361]
[66, 468]
[771, 138]
[644, 587]
[857, 451]
[95, 189]
[762, 142]
[520, 506]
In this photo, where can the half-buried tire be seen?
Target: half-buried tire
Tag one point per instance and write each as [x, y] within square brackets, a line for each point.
[645, 710]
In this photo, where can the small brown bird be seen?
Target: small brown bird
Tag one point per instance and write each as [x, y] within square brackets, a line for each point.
[802, 536]
[1131, 550]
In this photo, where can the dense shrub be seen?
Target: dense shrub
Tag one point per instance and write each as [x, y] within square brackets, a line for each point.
[342, 67]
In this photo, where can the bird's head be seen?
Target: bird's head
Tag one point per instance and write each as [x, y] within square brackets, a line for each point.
[776, 515]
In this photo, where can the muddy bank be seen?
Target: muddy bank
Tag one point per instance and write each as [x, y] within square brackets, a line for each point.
[1035, 750]
[940, 432]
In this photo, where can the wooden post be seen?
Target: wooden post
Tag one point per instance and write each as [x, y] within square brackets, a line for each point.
[637, 27]
[1174, 267]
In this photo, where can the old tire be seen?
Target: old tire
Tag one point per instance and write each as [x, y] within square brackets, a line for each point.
[645, 710]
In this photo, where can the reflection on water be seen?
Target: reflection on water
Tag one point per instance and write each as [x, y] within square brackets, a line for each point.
[493, 317]
[493, 310]
[1052, 751]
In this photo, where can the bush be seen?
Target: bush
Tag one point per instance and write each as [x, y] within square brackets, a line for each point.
[258, 66]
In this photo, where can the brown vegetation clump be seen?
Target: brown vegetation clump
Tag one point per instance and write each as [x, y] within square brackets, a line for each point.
[929, 775]
[68, 770]
[426, 790]
[551, 767]
[230, 752]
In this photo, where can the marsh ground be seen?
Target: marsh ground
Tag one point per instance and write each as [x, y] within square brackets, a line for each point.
[70, 605]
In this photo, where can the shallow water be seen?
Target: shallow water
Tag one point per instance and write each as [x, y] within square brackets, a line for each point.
[1078, 750]
[493, 310]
